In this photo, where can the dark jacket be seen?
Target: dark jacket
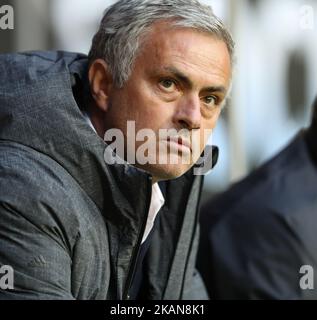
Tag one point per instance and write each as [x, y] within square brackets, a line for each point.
[71, 225]
[258, 235]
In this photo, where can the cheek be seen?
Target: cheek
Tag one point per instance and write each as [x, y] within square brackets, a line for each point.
[153, 114]
[207, 130]
[141, 103]
[145, 122]
[214, 119]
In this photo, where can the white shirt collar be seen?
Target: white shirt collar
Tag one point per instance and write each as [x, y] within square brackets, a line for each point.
[157, 202]
[87, 118]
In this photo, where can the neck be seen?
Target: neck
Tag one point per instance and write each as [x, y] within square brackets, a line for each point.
[97, 119]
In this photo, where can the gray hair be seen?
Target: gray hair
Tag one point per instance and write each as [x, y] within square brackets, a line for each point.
[118, 39]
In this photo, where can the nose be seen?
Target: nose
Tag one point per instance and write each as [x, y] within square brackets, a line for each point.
[187, 114]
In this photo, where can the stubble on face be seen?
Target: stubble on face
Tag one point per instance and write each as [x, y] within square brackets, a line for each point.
[205, 63]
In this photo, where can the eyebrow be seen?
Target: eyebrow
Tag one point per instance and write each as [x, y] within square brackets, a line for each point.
[183, 78]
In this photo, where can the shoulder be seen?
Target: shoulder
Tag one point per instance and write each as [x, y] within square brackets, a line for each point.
[281, 185]
[32, 65]
[37, 190]
[273, 207]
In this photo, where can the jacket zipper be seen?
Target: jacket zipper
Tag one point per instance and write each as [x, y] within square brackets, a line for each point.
[136, 250]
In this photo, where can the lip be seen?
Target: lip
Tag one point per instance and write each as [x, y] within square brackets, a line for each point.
[180, 141]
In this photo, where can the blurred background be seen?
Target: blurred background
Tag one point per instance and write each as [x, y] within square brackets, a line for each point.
[274, 78]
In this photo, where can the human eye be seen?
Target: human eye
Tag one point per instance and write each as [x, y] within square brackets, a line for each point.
[168, 85]
[210, 101]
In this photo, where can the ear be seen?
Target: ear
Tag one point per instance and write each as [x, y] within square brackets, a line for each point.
[100, 80]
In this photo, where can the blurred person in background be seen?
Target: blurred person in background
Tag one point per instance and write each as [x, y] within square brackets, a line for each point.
[258, 239]
[73, 226]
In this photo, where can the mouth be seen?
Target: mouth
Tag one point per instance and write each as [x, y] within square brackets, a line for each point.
[181, 142]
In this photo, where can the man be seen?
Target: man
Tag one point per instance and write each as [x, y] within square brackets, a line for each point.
[259, 237]
[74, 224]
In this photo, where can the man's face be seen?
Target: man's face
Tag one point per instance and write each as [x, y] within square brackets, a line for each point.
[179, 81]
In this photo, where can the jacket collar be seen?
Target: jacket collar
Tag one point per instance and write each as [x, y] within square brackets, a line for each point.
[38, 110]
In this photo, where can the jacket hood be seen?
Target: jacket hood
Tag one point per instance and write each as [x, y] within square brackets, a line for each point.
[38, 110]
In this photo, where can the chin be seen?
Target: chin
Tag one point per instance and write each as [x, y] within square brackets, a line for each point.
[166, 172]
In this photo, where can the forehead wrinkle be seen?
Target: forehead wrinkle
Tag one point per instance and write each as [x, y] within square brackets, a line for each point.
[165, 52]
[204, 66]
[208, 64]
[185, 48]
[206, 70]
